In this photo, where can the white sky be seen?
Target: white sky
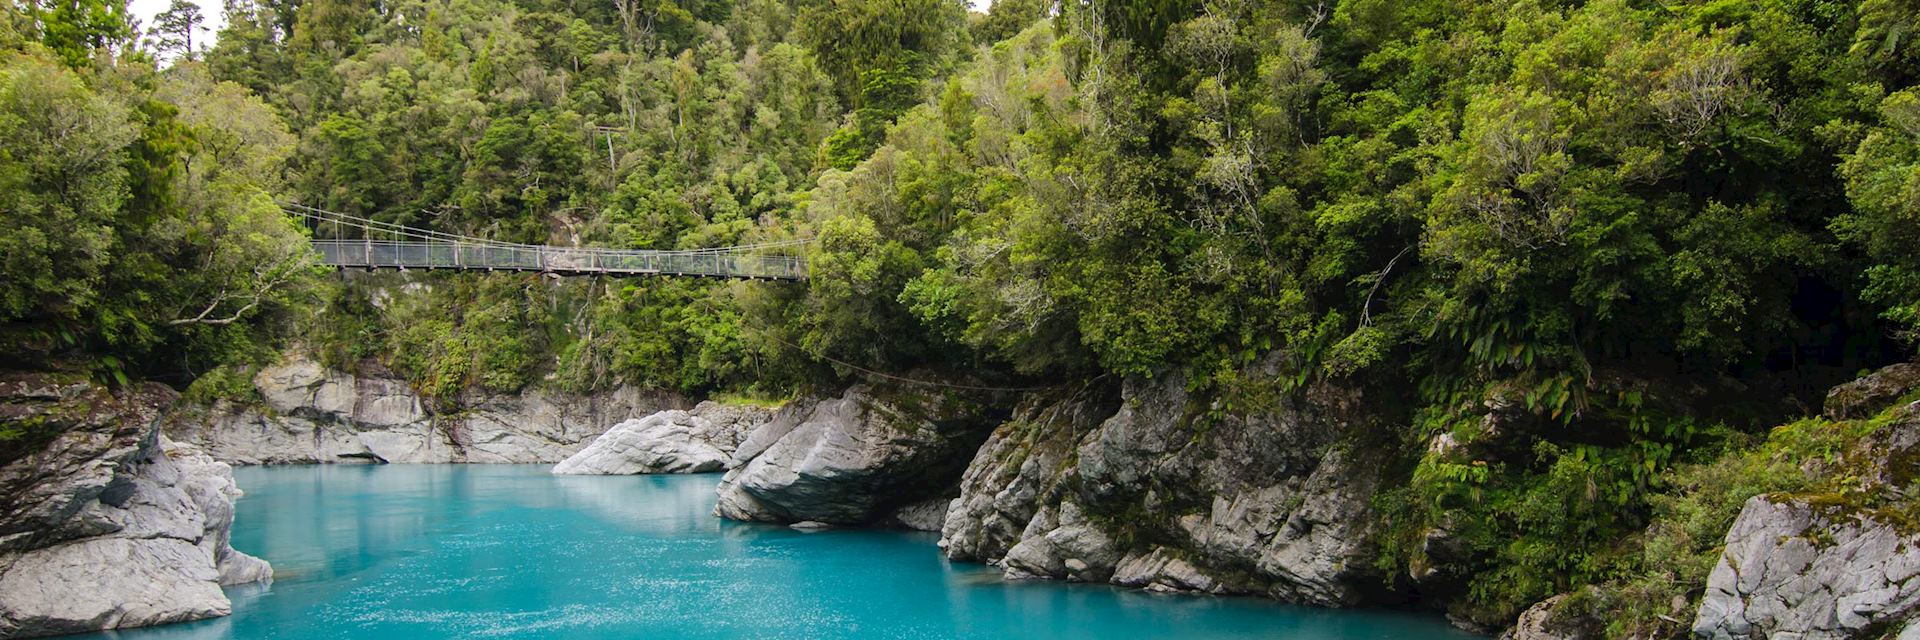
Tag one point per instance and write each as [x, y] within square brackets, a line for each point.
[147, 9]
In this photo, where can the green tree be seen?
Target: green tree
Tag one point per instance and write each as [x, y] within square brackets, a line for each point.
[174, 29]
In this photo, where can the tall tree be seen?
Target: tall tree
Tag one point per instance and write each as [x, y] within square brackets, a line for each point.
[174, 28]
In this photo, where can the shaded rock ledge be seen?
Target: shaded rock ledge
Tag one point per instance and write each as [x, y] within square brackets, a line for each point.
[109, 525]
[871, 455]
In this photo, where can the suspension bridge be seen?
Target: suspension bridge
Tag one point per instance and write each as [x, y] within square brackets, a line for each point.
[346, 241]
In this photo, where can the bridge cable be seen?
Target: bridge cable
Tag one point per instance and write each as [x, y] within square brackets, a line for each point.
[369, 226]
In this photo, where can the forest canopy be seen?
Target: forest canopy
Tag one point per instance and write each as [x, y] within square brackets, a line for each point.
[1630, 233]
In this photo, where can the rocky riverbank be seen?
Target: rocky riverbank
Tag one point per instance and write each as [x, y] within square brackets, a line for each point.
[307, 413]
[1120, 483]
[1140, 491]
[1137, 482]
[109, 525]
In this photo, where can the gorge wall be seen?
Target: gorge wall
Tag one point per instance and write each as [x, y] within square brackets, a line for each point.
[1135, 484]
[1144, 487]
[1138, 482]
[308, 413]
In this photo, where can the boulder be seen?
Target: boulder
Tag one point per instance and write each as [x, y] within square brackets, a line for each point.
[108, 525]
[852, 459]
[1792, 570]
[1874, 392]
[1549, 619]
[672, 441]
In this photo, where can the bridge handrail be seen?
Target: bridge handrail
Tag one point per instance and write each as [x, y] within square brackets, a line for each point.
[368, 224]
[434, 255]
[425, 248]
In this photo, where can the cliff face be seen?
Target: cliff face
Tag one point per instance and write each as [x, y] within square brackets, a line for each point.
[109, 525]
[1844, 564]
[1149, 488]
[313, 414]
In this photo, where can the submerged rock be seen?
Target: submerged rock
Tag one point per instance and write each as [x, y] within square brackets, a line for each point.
[699, 441]
[852, 459]
[309, 413]
[1141, 488]
[108, 525]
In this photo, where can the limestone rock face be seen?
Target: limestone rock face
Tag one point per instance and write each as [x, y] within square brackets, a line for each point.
[1266, 502]
[1821, 566]
[851, 459]
[313, 414]
[104, 527]
[1791, 571]
[674, 441]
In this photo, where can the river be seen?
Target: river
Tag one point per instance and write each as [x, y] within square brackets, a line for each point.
[476, 551]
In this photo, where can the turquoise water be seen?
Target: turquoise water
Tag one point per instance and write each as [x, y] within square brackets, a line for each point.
[454, 551]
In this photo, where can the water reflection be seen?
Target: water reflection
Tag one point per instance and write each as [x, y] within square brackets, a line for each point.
[438, 551]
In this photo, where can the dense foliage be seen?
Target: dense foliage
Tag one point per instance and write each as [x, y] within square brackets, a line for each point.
[141, 235]
[1591, 244]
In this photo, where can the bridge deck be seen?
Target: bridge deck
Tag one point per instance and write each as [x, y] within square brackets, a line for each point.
[428, 254]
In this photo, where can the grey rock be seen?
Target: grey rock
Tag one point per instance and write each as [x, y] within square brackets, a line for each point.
[1549, 620]
[851, 459]
[1824, 568]
[1064, 544]
[108, 525]
[672, 441]
[1164, 570]
[1267, 501]
[1791, 570]
[1022, 462]
[1872, 393]
[311, 414]
[209, 483]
